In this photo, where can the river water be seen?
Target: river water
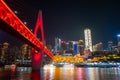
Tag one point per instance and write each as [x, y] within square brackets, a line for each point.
[61, 73]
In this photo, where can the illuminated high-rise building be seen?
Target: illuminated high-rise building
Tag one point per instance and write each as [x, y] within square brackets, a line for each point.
[110, 44]
[118, 36]
[75, 47]
[81, 47]
[88, 39]
[57, 44]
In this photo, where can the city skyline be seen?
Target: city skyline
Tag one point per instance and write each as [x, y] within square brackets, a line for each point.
[68, 20]
[26, 54]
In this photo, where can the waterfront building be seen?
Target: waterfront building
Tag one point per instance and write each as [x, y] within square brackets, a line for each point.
[29, 52]
[95, 47]
[88, 39]
[81, 47]
[98, 47]
[4, 49]
[63, 47]
[118, 37]
[66, 47]
[24, 51]
[75, 47]
[110, 44]
[69, 46]
[57, 44]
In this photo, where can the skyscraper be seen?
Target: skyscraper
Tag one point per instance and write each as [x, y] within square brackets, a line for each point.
[75, 47]
[81, 47]
[118, 36]
[88, 39]
[57, 44]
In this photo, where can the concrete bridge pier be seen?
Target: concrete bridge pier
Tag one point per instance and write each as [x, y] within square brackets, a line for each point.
[36, 60]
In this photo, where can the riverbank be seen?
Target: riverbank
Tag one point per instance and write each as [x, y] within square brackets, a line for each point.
[92, 64]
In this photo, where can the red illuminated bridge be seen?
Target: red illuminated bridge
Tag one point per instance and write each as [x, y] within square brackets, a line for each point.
[11, 24]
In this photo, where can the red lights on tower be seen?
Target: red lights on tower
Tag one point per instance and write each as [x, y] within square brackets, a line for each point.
[39, 23]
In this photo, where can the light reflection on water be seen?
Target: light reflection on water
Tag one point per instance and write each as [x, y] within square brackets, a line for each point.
[61, 73]
[82, 73]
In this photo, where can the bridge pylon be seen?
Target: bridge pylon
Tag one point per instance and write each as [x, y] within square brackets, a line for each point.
[38, 55]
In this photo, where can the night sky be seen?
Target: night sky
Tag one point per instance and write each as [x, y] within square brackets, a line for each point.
[67, 19]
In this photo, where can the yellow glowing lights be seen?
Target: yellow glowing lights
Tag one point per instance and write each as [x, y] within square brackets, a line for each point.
[68, 59]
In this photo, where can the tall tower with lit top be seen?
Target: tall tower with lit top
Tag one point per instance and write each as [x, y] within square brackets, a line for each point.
[88, 39]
